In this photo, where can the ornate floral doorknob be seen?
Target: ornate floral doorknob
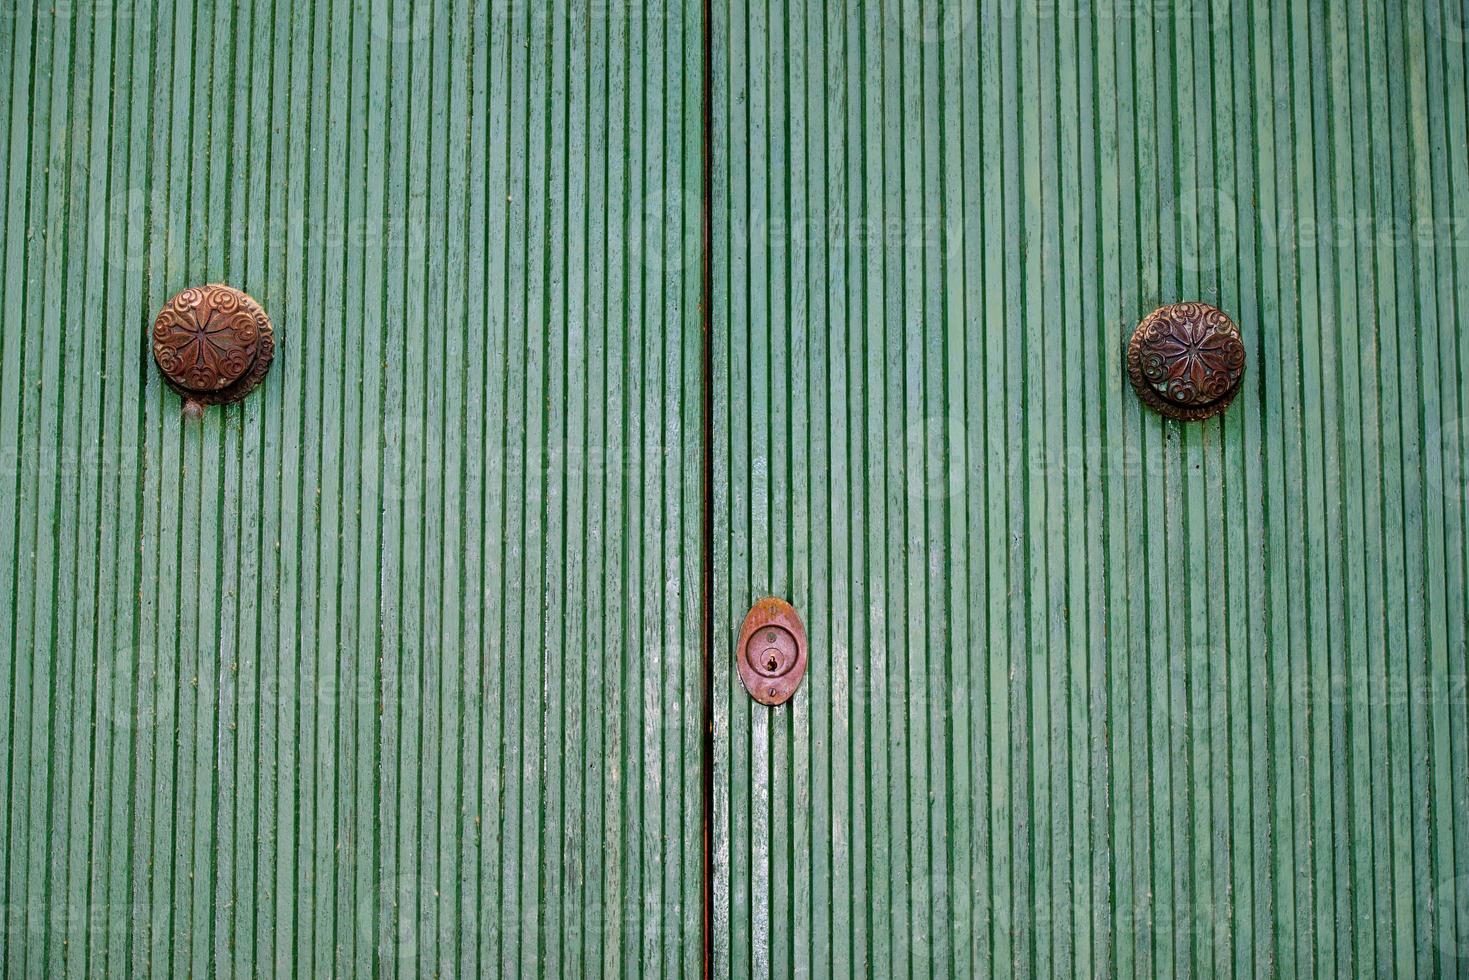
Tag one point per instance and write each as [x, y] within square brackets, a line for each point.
[213, 344]
[1186, 361]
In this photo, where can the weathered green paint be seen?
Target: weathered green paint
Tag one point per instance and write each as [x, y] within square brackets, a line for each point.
[1092, 693]
[392, 669]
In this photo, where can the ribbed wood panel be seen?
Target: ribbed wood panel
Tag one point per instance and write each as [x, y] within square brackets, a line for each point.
[1092, 693]
[393, 669]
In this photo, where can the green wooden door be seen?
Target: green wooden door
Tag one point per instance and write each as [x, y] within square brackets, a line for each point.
[397, 668]
[392, 669]
[1092, 693]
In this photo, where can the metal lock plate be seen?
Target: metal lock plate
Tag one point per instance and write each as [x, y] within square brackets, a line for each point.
[213, 344]
[1186, 361]
[771, 653]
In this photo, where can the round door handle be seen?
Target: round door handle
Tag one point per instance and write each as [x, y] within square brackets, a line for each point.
[213, 344]
[772, 654]
[1186, 361]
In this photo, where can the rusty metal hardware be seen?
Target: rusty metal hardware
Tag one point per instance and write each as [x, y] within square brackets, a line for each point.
[1186, 361]
[213, 344]
[771, 654]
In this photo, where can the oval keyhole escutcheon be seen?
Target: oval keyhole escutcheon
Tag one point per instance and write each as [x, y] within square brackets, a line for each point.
[771, 653]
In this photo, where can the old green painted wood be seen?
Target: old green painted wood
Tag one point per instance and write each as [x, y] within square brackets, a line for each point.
[1092, 693]
[393, 669]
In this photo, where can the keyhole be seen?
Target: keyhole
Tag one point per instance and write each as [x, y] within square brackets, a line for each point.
[772, 659]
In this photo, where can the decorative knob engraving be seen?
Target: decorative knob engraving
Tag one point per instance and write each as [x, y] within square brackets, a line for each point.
[1186, 361]
[213, 344]
[771, 654]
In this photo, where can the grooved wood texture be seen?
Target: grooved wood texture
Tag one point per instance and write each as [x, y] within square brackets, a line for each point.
[1091, 693]
[393, 669]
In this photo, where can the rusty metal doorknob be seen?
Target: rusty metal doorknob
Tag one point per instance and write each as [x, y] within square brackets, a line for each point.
[213, 344]
[1186, 361]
